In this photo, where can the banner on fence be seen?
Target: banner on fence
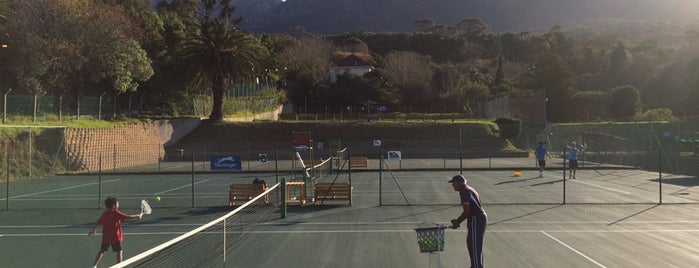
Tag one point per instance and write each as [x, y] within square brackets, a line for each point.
[229, 162]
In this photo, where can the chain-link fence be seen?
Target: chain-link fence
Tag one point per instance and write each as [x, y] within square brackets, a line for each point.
[670, 147]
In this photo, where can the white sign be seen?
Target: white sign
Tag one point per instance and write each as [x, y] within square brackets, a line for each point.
[394, 155]
[377, 143]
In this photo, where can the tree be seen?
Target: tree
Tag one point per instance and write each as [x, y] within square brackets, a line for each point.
[424, 25]
[690, 103]
[626, 102]
[411, 73]
[79, 46]
[473, 29]
[552, 75]
[307, 68]
[218, 56]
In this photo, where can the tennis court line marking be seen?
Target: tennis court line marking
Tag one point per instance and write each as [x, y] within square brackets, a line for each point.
[305, 232]
[490, 229]
[602, 187]
[60, 189]
[183, 186]
[573, 249]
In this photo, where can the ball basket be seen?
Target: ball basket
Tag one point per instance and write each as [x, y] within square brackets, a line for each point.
[430, 239]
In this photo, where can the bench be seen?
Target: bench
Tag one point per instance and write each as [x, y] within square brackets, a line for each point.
[338, 191]
[358, 161]
[244, 192]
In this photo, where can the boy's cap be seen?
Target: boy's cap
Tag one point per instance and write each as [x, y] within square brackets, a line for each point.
[458, 178]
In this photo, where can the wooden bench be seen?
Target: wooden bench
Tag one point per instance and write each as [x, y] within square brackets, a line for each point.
[338, 191]
[244, 192]
[358, 161]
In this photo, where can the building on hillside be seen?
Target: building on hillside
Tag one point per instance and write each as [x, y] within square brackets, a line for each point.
[349, 64]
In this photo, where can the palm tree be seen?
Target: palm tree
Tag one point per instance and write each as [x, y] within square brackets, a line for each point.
[218, 56]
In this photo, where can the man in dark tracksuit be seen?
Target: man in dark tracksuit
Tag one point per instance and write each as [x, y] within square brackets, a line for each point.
[475, 214]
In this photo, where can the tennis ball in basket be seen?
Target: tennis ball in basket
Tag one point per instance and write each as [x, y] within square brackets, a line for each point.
[157, 198]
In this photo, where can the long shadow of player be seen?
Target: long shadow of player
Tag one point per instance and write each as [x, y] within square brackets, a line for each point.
[515, 181]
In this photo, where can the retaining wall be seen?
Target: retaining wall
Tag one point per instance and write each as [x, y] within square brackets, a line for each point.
[117, 147]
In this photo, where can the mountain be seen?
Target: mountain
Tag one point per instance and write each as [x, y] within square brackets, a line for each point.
[339, 16]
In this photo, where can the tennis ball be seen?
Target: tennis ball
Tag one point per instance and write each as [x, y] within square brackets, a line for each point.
[157, 198]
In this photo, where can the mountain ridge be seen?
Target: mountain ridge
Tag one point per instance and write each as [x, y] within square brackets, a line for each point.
[340, 16]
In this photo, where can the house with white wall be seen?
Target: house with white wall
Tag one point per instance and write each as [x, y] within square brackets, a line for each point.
[349, 64]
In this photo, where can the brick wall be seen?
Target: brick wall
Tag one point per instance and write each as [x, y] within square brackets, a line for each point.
[118, 147]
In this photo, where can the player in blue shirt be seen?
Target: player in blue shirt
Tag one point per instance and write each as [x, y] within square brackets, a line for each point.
[573, 158]
[477, 219]
[541, 154]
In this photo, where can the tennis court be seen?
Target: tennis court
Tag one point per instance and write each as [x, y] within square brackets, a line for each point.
[605, 218]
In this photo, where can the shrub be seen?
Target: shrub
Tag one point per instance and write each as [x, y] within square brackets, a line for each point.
[510, 128]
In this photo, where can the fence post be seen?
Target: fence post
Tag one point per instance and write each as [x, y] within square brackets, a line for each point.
[30, 150]
[60, 107]
[7, 189]
[564, 175]
[78, 106]
[283, 194]
[99, 105]
[660, 177]
[36, 101]
[4, 106]
[192, 178]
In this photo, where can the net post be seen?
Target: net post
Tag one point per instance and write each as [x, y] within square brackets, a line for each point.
[283, 194]
[223, 222]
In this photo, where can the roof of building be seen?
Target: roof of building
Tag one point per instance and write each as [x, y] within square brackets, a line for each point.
[349, 61]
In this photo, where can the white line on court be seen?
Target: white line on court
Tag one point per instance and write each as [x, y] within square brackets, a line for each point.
[412, 223]
[601, 187]
[573, 249]
[183, 186]
[60, 189]
[359, 232]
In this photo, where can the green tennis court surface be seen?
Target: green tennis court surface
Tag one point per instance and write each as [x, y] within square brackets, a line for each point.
[605, 218]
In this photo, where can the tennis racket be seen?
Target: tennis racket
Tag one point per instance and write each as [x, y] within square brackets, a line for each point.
[145, 207]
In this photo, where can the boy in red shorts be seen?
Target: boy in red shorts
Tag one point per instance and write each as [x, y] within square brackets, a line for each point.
[111, 228]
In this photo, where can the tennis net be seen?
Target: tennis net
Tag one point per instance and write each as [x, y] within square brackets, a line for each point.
[211, 244]
[322, 170]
